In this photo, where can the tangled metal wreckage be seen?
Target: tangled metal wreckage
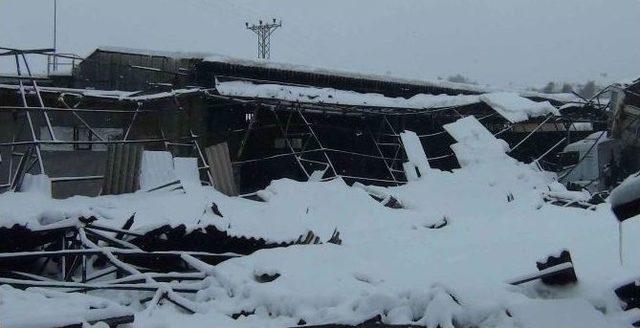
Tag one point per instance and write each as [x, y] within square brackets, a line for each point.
[255, 121]
[119, 120]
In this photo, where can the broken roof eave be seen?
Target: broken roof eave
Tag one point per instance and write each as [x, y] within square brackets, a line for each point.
[512, 107]
[151, 53]
[132, 96]
[335, 109]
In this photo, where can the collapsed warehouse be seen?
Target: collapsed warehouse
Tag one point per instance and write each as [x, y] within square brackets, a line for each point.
[148, 125]
[257, 121]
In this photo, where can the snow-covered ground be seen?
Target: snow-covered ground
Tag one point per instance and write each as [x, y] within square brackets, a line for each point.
[392, 262]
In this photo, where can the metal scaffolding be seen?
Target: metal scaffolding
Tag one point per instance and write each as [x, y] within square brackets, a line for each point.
[26, 154]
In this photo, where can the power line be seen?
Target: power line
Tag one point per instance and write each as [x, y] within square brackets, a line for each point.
[264, 31]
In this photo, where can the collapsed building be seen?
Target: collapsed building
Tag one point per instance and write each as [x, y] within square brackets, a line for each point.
[130, 120]
[245, 123]
[625, 106]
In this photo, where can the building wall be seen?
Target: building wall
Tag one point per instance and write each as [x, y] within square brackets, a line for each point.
[113, 71]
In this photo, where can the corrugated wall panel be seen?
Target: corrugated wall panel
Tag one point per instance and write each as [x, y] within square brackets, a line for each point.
[221, 169]
[123, 168]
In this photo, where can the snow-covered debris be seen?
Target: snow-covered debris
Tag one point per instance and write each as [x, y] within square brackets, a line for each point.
[415, 153]
[159, 168]
[558, 314]
[559, 97]
[40, 308]
[39, 183]
[186, 169]
[392, 262]
[133, 96]
[515, 108]
[475, 143]
[156, 169]
[626, 192]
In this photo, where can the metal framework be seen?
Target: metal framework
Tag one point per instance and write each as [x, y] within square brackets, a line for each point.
[87, 253]
[26, 155]
[382, 125]
[305, 145]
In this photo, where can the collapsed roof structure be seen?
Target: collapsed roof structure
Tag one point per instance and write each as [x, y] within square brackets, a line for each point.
[276, 120]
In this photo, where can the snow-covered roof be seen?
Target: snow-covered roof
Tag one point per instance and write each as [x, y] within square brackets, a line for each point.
[515, 108]
[338, 97]
[108, 94]
[356, 75]
[213, 57]
[511, 106]
[475, 88]
[156, 53]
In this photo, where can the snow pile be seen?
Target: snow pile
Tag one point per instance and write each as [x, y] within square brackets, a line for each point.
[627, 192]
[396, 266]
[442, 261]
[36, 184]
[41, 308]
[557, 313]
[515, 108]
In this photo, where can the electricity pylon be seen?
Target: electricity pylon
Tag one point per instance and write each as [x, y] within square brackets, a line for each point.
[264, 31]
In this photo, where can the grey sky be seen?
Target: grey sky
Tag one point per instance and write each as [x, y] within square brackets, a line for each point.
[525, 42]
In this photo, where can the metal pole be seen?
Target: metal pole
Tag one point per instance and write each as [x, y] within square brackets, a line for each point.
[395, 156]
[63, 260]
[194, 140]
[83, 121]
[55, 35]
[313, 134]
[29, 120]
[531, 133]
[133, 119]
[620, 248]
[386, 164]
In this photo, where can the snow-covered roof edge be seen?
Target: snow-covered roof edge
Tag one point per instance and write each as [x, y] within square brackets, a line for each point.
[110, 94]
[213, 57]
[156, 53]
[347, 74]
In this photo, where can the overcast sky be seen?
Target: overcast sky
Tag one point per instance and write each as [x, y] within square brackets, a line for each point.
[498, 42]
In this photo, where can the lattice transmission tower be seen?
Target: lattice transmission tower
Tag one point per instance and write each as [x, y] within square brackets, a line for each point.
[264, 32]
